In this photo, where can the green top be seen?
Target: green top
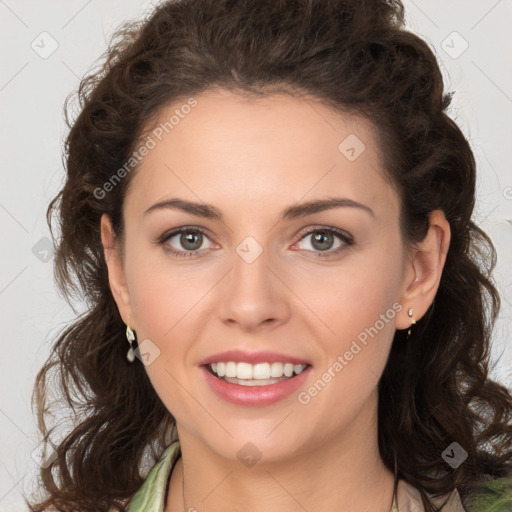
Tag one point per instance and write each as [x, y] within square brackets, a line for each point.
[490, 496]
[151, 496]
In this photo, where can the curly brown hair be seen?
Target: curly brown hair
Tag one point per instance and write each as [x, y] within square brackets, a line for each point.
[354, 56]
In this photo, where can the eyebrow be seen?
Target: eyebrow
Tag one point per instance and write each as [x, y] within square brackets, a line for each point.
[292, 212]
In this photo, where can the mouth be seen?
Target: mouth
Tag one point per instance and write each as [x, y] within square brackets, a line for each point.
[259, 374]
[250, 379]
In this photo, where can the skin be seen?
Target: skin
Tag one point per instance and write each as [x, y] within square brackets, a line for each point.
[251, 158]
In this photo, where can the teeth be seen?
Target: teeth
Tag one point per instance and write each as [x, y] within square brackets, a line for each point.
[231, 369]
[259, 371]
[242, 370]
[276, 369]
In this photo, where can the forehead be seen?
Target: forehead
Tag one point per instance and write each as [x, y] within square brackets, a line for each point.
[276, 148]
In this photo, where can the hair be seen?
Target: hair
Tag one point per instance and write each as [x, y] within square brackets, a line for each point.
[355, 57]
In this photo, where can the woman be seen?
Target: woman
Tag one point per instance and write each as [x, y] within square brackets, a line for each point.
[269, 213]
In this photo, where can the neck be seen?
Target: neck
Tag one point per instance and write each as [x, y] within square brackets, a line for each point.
[342, 473]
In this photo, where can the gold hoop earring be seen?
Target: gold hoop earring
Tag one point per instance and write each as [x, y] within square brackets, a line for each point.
[130, 336]
[410, 312]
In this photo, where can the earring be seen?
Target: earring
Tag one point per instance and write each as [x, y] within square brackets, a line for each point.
[131, 337]
[412, 322]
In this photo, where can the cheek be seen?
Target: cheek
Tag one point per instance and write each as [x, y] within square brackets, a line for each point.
[356, 296]
[162, 302]
[161, 294]
[153, 303]
[354, 356]
[358, 311]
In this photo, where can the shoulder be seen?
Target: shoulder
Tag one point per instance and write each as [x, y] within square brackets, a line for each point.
[490, 495]
[409, 499]
[151, 496]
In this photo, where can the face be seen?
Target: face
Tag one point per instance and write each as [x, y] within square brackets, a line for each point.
[250, 268]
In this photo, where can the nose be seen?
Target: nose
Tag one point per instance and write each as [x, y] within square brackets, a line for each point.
[254, 294]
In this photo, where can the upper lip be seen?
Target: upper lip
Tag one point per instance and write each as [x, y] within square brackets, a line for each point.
[239, 356]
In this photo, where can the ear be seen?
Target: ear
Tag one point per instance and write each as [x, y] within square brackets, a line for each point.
[424, 268]
[116, 274]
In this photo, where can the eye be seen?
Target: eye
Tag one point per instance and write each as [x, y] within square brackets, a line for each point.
[323, 241]
[189, 239]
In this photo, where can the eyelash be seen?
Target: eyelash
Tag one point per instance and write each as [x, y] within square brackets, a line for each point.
[344, 236]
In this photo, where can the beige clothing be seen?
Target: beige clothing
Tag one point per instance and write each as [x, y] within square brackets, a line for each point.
[409, 500]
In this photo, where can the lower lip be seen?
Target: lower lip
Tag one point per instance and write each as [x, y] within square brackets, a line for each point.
[254, 395]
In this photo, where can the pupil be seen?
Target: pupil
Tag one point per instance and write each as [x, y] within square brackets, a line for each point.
[189, 238]
[322, 237]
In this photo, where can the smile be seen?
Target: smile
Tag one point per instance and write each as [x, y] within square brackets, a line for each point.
[259, 384]
[260, 374]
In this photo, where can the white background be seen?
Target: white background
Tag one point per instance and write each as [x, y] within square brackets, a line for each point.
[32, 93]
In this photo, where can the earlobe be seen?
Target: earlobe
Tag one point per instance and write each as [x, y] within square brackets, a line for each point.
[426, 263]
[116, 274]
